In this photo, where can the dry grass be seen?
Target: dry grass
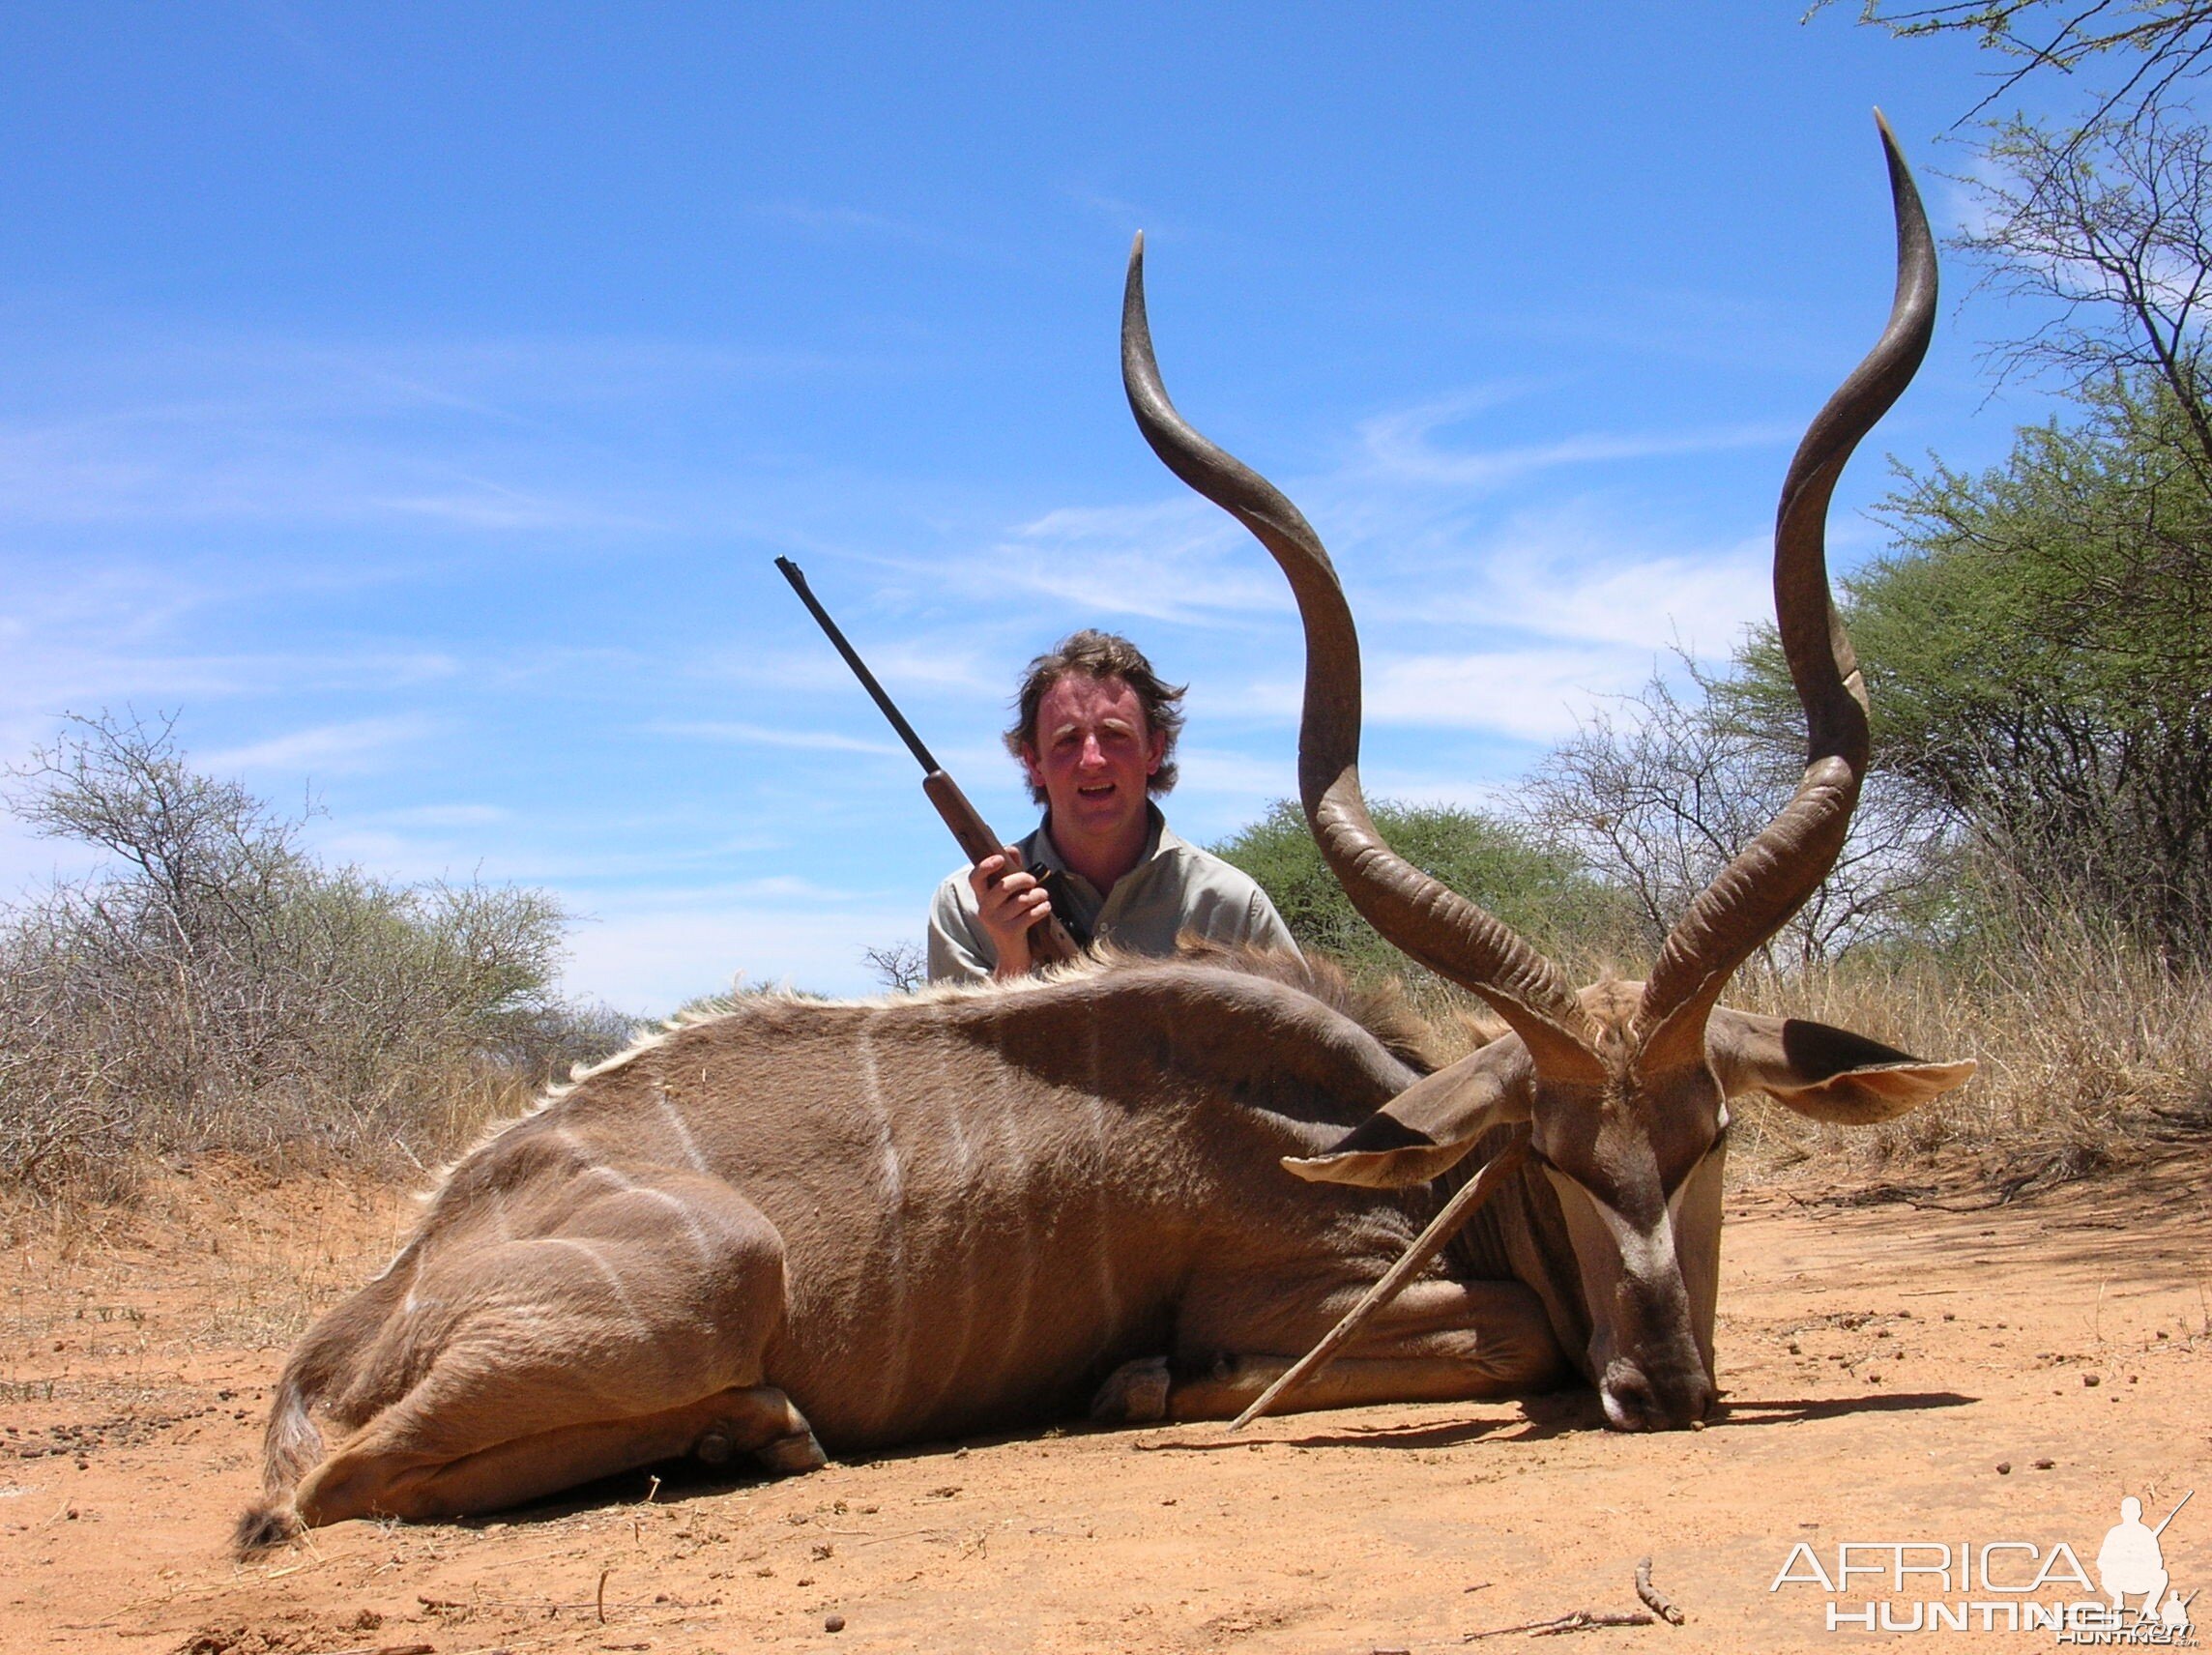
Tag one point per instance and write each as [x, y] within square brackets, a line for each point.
[409, 1127]
[2090, 1053]
[2091, 1050]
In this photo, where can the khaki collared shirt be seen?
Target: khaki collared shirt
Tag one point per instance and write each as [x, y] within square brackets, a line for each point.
[1174, 887]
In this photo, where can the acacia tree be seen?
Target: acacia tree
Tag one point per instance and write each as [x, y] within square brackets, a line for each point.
[2038, 651]
[2158, 46]
[2108, 231]
[2102, 226]
[2039, 642]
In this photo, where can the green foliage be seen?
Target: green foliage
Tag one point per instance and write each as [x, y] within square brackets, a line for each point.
[2038, 650]
[1537, 888]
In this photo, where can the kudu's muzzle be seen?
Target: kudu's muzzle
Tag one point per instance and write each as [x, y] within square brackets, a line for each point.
[1644, 1287]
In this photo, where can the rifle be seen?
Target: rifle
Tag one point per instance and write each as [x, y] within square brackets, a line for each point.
[2171, 1515]
[1051, 939]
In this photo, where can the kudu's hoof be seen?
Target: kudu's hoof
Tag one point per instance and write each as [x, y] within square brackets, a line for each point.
[1136, 1392]
[714, 1448]
[788, 1455]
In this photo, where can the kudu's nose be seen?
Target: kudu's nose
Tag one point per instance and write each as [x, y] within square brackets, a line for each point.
[1633, 1401]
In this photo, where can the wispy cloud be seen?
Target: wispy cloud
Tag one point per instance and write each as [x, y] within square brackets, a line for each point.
[362, 744]
[447, 816]
[478, 434]
[1535, 694]
[823, 220]
[763, 736]
[1530, 694]
[1578, 572]
[1176, 560]
[1398, 446]
[1224, 771]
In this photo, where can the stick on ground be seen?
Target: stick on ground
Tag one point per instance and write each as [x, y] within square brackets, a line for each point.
[1653, 1598]
[1581, 1621]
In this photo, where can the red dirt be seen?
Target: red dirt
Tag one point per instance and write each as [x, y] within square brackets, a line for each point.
[1882, 1363]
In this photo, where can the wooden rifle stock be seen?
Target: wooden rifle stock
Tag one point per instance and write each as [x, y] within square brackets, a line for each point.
[1050, 944]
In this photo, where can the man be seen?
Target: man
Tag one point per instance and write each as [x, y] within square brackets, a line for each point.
[2130, 1561]
[1095, 735]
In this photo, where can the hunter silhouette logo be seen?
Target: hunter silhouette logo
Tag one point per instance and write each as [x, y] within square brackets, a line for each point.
[2131, 1561]
[2006, 1585]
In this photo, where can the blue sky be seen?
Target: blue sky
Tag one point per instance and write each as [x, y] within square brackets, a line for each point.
[413, 398]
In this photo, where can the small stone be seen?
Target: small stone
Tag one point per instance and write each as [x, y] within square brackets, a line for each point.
[2092, 1380]
[2044, 1464]
[1796, 1349]
[1697, 1425]
[2004, 1467]
[833, 1623]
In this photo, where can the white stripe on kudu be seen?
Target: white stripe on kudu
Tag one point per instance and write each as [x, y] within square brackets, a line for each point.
[899, 1320]
[1012, 1167]
[957, 1230]
[684, 1138]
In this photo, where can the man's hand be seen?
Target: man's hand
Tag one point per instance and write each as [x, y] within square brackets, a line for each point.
[1009, 899]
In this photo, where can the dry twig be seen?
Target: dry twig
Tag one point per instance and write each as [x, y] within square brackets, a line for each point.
[1581, 1621]
[1651, 1596]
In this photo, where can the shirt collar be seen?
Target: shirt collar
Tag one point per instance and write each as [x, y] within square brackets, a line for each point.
[1158, 842]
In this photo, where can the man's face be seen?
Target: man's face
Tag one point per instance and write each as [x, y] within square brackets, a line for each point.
[1092, 754]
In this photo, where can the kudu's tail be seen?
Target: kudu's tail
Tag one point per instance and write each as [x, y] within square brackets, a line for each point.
[293, 1444]
[290, 1447]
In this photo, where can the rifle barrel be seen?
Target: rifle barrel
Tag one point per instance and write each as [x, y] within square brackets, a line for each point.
[2174, 1513]
[791, 573]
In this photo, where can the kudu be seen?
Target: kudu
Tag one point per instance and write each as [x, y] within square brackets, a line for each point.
[883, 1222]
[1615, 1219]
[807, 1224]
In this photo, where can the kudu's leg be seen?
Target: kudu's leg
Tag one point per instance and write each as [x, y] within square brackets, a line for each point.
[630, 1331]
[1439, 1341]
[368, 1479]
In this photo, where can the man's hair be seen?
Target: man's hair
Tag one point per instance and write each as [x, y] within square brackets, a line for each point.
[1100, 655]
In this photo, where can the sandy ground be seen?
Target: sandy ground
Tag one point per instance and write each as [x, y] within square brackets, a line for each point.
[1894, 1373]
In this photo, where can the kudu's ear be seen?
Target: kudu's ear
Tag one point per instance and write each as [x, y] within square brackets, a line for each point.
[1430, 1125]
[1825, 1073]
